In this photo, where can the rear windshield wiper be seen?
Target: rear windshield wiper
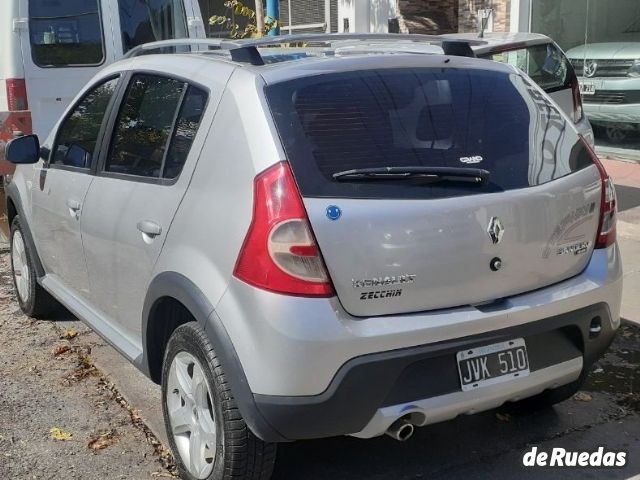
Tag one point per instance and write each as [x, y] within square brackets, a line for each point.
[473, 175]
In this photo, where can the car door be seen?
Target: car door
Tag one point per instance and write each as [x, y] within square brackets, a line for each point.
[64, 180]
[130, 204]
[63, 44]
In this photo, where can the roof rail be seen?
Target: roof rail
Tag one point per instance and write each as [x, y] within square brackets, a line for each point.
[179, 42]
[246, 50]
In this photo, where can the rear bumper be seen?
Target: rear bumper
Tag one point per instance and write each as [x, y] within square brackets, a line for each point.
[311, 370]
[438, 409]
[369, 393]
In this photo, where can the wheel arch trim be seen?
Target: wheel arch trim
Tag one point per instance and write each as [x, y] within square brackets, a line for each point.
[13, 195]
[180, 288]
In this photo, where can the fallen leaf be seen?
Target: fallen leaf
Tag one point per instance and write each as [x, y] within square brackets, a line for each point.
[503, 417]
[135, 416]
[69, 334]
[60, 350]
[85, 361]
[85, 367]
[582, 397]
[103, 440]
[58, 434]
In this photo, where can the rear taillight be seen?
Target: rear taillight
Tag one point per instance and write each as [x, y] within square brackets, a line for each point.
[607, 224]
[578, 112]
[280, 253]
[17, 95]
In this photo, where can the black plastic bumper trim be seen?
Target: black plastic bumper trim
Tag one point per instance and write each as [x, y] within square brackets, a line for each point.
[366, 383]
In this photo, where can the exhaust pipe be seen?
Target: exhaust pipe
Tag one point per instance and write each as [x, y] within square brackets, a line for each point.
[400, 430]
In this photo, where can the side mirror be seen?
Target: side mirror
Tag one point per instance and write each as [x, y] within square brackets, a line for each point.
[23, 150]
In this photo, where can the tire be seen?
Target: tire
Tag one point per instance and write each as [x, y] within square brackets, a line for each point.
[546, 399]
[34, 300]
[198, 405]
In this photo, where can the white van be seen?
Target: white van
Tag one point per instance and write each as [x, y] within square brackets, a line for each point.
[51, 48]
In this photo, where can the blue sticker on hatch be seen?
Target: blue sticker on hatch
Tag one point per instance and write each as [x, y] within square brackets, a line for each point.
[333, 212]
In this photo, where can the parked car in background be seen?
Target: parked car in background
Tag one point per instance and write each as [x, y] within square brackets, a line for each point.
[51, 48]
[544, 61]
[321, 241]
[609, 75]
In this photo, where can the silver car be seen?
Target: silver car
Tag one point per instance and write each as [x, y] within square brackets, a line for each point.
[320, 241]
[610, 83]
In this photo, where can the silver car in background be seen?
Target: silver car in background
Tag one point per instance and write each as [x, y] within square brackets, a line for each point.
[320, 241]
[609, 75]
[544, 61]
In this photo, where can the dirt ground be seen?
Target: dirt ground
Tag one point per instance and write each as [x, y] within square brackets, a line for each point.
[59, 417]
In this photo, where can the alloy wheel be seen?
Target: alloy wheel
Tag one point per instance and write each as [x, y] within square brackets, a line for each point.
[21, 273]
[191, 415]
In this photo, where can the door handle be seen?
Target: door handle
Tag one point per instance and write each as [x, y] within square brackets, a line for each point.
[149, 228]
[74, 207]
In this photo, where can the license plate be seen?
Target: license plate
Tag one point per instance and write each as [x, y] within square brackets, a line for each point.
[587, 88]
[491, 364]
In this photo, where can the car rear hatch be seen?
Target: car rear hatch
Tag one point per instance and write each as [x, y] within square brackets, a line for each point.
[434, 232]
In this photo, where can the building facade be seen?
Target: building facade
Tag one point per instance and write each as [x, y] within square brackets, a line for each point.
[569, 22]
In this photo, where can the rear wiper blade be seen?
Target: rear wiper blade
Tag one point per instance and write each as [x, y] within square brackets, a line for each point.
[473, 175]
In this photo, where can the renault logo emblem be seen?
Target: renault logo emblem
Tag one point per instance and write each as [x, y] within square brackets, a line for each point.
[495, 230]
[590, 68]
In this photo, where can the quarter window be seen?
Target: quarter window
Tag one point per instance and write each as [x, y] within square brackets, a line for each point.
[144, 21]
[65, 33]
[156, 127]
[185, 131]
[78, 134]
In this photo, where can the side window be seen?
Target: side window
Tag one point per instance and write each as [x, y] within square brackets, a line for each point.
[186, 128]
[65, 33]
[155, 128]
[144, 21]
[78, 133]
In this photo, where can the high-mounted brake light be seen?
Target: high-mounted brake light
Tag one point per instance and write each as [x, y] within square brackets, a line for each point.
[578, 111]
[607, 224]
[17, 95]
[280, 253]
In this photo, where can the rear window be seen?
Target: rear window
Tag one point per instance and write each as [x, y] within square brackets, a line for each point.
[421, 117]
[145, 21]
[545, 64]
[65, 33]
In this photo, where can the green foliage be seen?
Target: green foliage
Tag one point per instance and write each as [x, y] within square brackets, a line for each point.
[239, 9]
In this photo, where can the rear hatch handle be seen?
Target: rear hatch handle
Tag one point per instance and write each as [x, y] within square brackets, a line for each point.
[473, 175]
